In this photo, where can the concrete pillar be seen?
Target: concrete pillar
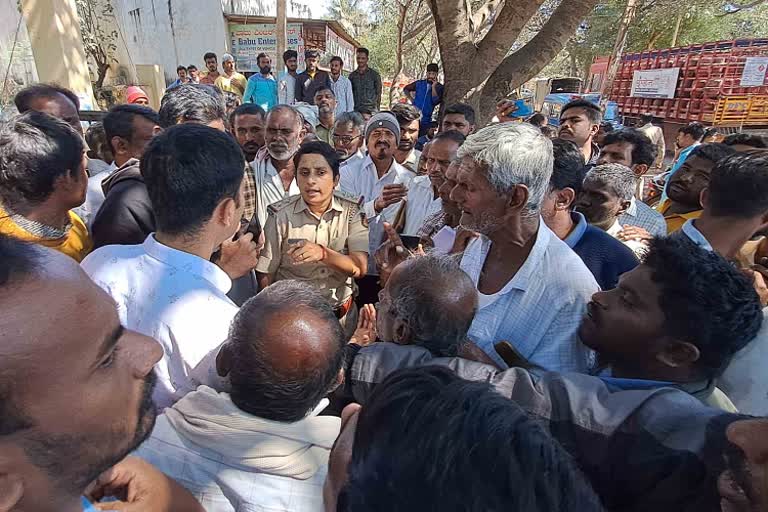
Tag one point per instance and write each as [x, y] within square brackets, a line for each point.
[54, 33]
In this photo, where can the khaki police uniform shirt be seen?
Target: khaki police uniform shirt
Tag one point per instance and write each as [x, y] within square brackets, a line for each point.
[340, 229]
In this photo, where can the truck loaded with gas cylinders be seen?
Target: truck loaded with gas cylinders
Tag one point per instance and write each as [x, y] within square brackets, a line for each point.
[720, 84]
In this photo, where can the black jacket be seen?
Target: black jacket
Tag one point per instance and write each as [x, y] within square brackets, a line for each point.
[306, 85]
[126, 217]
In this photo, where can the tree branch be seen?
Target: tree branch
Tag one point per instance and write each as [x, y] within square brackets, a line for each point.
[525, 63]
[509, 22]
[423, 23]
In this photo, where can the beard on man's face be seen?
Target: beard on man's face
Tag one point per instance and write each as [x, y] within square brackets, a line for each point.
[74, 461]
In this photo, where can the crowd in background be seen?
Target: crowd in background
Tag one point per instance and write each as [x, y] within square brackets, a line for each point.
[271, 294]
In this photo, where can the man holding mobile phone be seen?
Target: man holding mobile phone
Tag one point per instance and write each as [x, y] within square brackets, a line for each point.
[425, 95]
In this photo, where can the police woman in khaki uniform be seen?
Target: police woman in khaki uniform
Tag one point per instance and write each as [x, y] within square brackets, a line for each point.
[317, 236]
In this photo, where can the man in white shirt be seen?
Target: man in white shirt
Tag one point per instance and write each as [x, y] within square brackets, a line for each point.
[533, 289]
[286, 81]
[167, 287]
[273, 170]
[382, 184]
[264, 445]
[128, 128]
[347, 137]
[342, 87]
[605, 195]
[423, 196]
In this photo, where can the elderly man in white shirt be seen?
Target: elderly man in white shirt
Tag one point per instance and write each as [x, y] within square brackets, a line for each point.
[273, 170]
[262, 444]
[423, 198]
[533, 289]
[167, 287]
[378, 180]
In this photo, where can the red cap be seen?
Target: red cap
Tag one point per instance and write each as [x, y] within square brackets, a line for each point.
[134, 93]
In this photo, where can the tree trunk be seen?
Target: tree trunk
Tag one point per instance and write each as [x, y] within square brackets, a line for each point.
[482, 73]
[403, 11]
[621, 41]
[676, 33]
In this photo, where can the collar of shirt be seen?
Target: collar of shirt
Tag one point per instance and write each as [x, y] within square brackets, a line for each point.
[301, 205]
[579, 228]
[369, 166]
[632, 210]
[527, 271]
[195, 265]
[690, 230]
[595, 154]
[666, 204]
[615, 229]
[259, 77]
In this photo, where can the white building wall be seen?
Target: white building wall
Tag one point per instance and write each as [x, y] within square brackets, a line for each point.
[171, 32]
[23, 71]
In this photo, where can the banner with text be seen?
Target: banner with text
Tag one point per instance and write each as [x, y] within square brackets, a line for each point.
[754, 72]
[248, 41]
[655, 83]
[336, 46]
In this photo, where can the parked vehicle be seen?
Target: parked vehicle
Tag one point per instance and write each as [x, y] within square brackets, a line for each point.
[553, 106]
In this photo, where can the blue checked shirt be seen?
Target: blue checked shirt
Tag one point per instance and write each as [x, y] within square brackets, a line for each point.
[643, 216]
[539, 310]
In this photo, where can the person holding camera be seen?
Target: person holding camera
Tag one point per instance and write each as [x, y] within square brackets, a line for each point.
[317, 236]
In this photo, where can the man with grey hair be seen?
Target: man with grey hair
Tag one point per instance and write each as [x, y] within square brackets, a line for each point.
[262, 443]
[347, 137]
[606, 194]
[273, 170]
[533, 290]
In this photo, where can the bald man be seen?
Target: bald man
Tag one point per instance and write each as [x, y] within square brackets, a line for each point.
[68, 418]
[263, 444]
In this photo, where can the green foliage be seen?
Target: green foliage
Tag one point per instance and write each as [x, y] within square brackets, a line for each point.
[654, 26]
[97, 29]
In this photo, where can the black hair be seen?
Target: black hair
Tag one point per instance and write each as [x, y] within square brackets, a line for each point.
[196, 103]
[246, 109]
[290, 54]
[462, 109]
[259, 386]
[119, 121]
[738, 185]
[606, 126]
[191, 67]
[179, 68]
[336, 58]
[590, 109]
[710, 132]
[364, 110]
[694, 129]
[311, 54]
[569, 168]
[548, 131]
[713, 151]
[643, 150]
[318, 148]
[261, 56]
[433, 68]
[646, 118]
[189, 169]
[210, 55]
[746, 139]
[23, 99]
[405, 113]
[20, 261]
[429, 440]
[537, 119]
[35, 150]
[706, 301]
[363, 50]
[451, 135]
[324, 88]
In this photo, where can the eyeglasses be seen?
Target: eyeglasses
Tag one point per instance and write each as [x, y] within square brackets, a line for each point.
[345, 139]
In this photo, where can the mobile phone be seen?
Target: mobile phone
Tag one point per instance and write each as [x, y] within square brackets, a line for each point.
[411, 242]
[253, 227]
[294, 241]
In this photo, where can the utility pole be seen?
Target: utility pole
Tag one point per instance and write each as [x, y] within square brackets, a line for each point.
[281, 30]
[618, 48]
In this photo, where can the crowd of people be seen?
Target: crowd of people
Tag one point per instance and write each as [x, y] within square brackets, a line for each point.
[287, 305]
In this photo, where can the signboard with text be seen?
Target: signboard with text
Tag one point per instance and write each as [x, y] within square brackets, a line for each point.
[248, 41]
[655, 83]
[754, 72]
[336, 46]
